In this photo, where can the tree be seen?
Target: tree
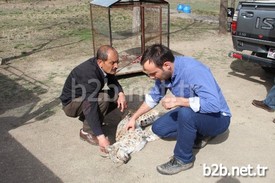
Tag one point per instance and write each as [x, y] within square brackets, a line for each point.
[233, 3]
[223, 17]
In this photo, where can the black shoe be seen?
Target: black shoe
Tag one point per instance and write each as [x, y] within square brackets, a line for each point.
[90, 138]
[262, 105]
[173, 166]
[201, 142]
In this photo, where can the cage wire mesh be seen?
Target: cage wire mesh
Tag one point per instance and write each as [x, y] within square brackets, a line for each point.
[130, 29]
[100, 26]
[156, 26]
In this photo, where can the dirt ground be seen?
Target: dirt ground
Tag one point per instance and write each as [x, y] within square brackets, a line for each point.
[40, 144]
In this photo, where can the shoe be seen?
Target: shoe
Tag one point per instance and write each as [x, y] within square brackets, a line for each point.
[201, 142]
[90, 138]
[262, 105]
[173, 166]
[273, 120]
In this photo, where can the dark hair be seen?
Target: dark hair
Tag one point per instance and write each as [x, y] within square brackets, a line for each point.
[102, 52]
[158, 54]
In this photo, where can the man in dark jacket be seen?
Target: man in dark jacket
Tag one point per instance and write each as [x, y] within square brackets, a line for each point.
[82, 95]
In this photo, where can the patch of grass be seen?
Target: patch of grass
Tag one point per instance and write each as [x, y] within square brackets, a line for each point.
[26, 1]
[51, 76]
[203, 12]
[19, 45]
[38, 23]
[186, 29]
[82, 34]
[204, 7]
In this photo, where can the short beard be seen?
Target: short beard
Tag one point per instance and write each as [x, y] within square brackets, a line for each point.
[166, 75]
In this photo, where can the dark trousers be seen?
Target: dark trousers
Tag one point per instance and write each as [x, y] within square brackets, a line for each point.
[106, 102]
[184, 125]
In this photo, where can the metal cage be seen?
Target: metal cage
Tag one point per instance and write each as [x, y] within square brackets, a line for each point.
[130, 27]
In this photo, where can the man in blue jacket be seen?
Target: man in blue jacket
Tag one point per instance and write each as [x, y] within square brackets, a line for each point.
[82, 95]
[199, 110]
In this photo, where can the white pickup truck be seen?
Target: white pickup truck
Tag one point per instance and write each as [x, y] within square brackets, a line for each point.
[253, 29]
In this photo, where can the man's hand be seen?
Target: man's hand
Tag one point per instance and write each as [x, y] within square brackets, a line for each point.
[103, 143]
[131, 125]
[169, 102]
[121, 102]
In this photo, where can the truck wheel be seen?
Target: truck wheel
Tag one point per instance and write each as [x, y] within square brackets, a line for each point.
[266, 69]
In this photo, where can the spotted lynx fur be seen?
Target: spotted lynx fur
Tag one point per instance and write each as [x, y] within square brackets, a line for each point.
[128, 142]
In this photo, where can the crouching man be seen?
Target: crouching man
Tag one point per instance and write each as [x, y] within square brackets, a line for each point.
[82, 95]
[199, 110]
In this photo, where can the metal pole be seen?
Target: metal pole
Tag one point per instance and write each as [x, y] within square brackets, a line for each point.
[110, 26]
[142, 30]
[160, 25]
[168, 26]
[93, 34]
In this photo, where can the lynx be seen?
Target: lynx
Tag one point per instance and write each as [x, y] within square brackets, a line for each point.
[128, 142]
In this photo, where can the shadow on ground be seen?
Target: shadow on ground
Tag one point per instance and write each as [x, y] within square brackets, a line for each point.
[114, 117]
[228, 180]
[250, 72]
[16, 108]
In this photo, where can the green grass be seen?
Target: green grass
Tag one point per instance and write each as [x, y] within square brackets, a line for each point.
[82, 34]
[85, 34]
[24, 28]
[204, 7]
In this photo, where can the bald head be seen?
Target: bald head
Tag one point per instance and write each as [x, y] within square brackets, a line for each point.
[107, 59]
[104, 51]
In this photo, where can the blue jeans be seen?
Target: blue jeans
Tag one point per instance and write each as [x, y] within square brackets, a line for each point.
[270, 98]
[184, 125]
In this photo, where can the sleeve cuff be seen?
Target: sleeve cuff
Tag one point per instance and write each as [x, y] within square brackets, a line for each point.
[149, 101]
[194, 103]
